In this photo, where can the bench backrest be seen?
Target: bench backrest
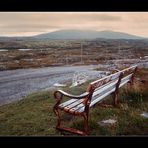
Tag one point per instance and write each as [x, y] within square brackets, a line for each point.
[101, 88]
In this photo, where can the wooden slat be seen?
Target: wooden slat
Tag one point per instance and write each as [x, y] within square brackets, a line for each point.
[103, 92]
[105, 87]
[125, 80]
[67, 102]
[77, 108]
[73, 104]
[105, 80]
[100, 98]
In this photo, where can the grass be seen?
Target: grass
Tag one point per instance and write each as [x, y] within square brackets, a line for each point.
[34, 114]
[31, 116]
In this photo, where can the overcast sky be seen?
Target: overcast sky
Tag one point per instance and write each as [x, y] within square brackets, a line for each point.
[32, 23]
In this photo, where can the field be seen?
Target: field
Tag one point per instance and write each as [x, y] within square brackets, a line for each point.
[44, 53]
[34, 114]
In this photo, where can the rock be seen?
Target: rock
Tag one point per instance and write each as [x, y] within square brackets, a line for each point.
[144, 114]
[107, 122]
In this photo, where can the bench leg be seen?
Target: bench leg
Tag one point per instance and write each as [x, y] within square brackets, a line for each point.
[56, 111]
[71, 130]
[116, 100]
[116, 93]
[86, 128]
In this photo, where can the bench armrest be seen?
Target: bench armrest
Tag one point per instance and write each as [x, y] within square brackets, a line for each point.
[72, 96]
[62, 93]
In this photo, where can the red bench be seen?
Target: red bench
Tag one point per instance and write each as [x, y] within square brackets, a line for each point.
[96, 93]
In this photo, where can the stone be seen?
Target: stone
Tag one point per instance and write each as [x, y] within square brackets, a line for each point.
[107, 122]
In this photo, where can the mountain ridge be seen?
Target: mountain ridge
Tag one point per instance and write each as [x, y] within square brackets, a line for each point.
[87, 34]
[77, 34]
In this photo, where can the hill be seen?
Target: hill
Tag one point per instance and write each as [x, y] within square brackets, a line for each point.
[86, 34]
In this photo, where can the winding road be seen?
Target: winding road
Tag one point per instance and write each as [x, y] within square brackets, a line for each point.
[16, 84]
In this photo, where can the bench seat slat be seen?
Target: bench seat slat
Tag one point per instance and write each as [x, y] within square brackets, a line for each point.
[77, 109]
[67, 102]
[99, 99]
[72, 105]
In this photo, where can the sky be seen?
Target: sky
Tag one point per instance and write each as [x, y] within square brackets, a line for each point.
[33, 23]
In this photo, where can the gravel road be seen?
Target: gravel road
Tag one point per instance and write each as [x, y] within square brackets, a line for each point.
[16, 84]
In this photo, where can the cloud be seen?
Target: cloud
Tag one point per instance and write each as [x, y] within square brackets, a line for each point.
[48, 21]
[42, 22]
[100, 17]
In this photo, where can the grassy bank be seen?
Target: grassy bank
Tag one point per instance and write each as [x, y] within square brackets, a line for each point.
[34, 114]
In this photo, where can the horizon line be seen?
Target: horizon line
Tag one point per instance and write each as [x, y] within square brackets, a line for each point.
[71, 29]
